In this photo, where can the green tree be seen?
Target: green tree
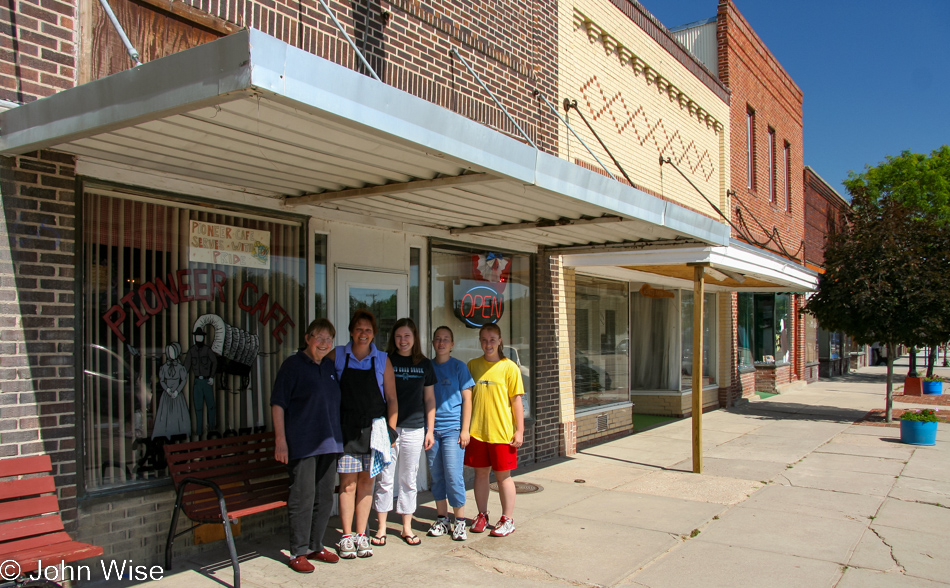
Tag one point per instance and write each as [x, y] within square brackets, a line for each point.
[886, 274]
[921, 182]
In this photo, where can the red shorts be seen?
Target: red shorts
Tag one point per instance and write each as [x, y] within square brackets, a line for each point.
[501, 457]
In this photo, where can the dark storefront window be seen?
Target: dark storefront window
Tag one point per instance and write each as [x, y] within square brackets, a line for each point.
[602, 342]
[764, 328]
[710, 343]
[320, 275]
[185, 309]
[472, 287]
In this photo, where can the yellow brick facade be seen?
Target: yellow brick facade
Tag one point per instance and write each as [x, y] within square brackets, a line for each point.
[644, 104]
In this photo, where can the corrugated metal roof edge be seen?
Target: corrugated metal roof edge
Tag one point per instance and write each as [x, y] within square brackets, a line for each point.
[252, 62]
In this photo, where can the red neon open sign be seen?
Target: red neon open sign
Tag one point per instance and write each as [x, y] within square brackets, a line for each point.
[479, 306]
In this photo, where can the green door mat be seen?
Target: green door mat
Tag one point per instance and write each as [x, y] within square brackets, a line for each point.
[764, 395]
[642, 422]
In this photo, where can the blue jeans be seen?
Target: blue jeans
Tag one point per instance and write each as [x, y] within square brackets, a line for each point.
[445, 459]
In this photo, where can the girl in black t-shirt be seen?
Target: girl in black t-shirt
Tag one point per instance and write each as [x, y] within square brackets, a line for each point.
[415, 393]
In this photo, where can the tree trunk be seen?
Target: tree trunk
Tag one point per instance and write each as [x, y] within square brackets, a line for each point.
[931, 360]
[889, 403]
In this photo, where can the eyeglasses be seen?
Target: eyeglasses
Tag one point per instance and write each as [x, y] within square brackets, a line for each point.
[320, 339]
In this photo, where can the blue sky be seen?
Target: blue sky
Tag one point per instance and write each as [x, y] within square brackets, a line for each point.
[875, 74]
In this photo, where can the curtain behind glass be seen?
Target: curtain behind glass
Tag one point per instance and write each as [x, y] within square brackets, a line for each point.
[137, 314]
[654, 351]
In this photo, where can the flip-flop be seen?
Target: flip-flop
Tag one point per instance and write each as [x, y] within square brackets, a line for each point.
[378, 541]
[411, 539]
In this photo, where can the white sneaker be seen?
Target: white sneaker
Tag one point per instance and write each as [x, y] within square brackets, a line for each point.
[503, 528]
[458, 530]
[347, 547]
[363, 547]
[439, 527]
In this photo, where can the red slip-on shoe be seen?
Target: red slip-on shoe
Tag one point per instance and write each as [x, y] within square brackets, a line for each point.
[301, 565]
[325, 555]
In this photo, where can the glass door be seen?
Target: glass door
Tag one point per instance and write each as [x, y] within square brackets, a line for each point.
[384, 294]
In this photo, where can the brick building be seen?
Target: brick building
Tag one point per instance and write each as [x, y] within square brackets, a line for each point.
[246, 180]
[766, 161]
[825, 209]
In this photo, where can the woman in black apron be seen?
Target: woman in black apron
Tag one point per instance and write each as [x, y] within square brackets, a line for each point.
[368, 391]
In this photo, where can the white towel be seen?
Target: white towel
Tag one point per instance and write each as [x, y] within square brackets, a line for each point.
[380, 447]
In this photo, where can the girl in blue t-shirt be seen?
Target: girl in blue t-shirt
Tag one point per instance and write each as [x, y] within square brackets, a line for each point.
[453, 414]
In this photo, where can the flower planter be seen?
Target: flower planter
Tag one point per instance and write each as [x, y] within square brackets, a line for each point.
[935, 387]
[919, 432]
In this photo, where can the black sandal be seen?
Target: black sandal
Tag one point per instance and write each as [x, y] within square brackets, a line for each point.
[378, 541]
[411, 539]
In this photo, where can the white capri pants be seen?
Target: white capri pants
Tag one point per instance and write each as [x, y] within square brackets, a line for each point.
[403, 470]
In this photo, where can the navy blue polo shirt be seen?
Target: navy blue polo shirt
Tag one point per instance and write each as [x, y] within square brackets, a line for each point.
[310, 396]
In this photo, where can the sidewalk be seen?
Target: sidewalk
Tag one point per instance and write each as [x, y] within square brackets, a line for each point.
[793, 494]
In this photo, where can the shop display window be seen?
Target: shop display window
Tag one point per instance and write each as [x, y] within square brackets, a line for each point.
[471, 287]
[187, 313]
[602, 342]
[654, 341]
[764, 328]
[710, 363]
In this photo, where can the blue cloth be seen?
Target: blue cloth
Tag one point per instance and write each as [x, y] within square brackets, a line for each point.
[451, 378]
[381, 447]
[446, 460]
[310, 396]
[362, 364]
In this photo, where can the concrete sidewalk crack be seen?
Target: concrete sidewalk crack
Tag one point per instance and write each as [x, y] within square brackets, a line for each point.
[890, 548]
[512, 569]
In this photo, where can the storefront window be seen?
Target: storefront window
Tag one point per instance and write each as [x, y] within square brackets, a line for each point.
[602, 342]
[811, 338]
[744, 325]
[709, 340]
[764, 328]
[320, 274]
[474, 287]
[654, 344]
[188, 313]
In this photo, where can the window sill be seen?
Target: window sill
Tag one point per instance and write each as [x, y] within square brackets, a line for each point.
[589, 410]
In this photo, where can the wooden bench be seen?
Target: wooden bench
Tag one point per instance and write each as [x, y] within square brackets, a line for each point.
[31, 529]
[220, 480]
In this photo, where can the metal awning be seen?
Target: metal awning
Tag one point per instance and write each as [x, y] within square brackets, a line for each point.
[737, 267]
[251, 113]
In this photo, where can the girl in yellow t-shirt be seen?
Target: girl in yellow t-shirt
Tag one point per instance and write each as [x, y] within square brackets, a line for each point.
[497, 428]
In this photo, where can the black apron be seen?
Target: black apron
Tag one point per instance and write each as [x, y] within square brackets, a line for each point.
[360, 403]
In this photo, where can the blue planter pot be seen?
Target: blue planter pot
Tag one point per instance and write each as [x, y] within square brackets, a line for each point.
[935, 387]
[919, 432]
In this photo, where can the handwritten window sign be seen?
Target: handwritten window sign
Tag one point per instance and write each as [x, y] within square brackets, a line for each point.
[225, 245]
[478, 303]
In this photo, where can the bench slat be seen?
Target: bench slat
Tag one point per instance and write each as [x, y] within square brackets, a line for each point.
[52, 555]
[28, 507]
[19, 466]
[38, 541]
[194, 462]
[276, 489]
[211, 512]
[198, 449]
[27, 487]
[241, 461]
[210, 443]
[235, 474]
[29, 527]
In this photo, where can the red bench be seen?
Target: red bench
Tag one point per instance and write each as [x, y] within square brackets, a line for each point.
[31, 529]
[221, 480]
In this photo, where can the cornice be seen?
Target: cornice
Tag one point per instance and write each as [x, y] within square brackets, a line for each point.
[627, 58]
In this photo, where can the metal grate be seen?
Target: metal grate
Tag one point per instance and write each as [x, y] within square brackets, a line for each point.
[520, 487]
[601, 423]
